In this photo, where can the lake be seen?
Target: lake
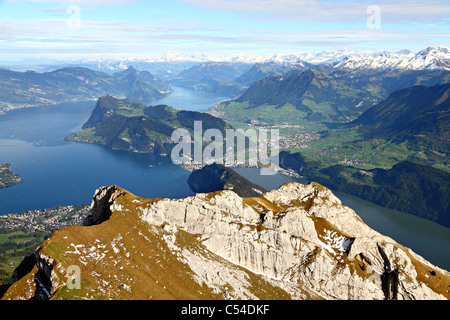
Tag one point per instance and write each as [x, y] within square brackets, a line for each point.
[58, 172]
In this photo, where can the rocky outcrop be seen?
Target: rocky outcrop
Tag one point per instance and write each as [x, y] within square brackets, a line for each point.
[38, 277]
[297, 242]
[215, 177]
[302, 234]
[102, 204]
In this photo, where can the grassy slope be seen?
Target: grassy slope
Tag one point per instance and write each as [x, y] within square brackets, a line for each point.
[121, 254]
[129, 253]
[338, 146]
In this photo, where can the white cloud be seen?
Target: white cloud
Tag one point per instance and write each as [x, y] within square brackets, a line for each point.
[99, 36]
[332, 11]
[188, 34]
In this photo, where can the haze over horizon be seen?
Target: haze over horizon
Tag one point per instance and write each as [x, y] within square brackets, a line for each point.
[45, 29]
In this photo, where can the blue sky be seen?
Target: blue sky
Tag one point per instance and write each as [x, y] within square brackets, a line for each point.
[98, 28]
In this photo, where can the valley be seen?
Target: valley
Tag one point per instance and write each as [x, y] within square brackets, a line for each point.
[412, 124]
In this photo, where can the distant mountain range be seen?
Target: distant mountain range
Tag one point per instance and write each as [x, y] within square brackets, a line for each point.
[422, 59]
[232, 75]
[385, 70]
[30, 88]
[427, 59]
[260, 71]
[334, 92]
[216, 77]
[323, 57]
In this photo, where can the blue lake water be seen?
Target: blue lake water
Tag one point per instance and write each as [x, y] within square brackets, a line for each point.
[186, 99]
[58, 172]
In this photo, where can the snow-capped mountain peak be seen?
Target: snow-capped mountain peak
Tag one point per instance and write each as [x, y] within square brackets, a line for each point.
[432, 58]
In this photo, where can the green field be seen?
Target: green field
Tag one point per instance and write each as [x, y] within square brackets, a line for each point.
[334, 146]
[265, 114]
[22, 233]
[14, 246]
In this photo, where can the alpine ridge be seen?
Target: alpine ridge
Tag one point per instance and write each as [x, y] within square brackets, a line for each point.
[430, 58]
[296, 242]
[427, 59]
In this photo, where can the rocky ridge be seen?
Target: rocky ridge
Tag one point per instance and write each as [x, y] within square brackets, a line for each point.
[296, 242]
[427, 59]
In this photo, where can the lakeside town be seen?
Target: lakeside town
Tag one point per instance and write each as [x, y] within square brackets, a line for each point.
[21, 233]
[44, 220]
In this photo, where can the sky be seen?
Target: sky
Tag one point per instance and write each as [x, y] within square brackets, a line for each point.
[74, 29]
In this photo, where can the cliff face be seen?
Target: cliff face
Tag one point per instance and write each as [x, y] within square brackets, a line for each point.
[215, 177]
[297, 242]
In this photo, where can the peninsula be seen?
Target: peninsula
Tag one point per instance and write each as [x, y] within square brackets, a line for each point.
[7, 177]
